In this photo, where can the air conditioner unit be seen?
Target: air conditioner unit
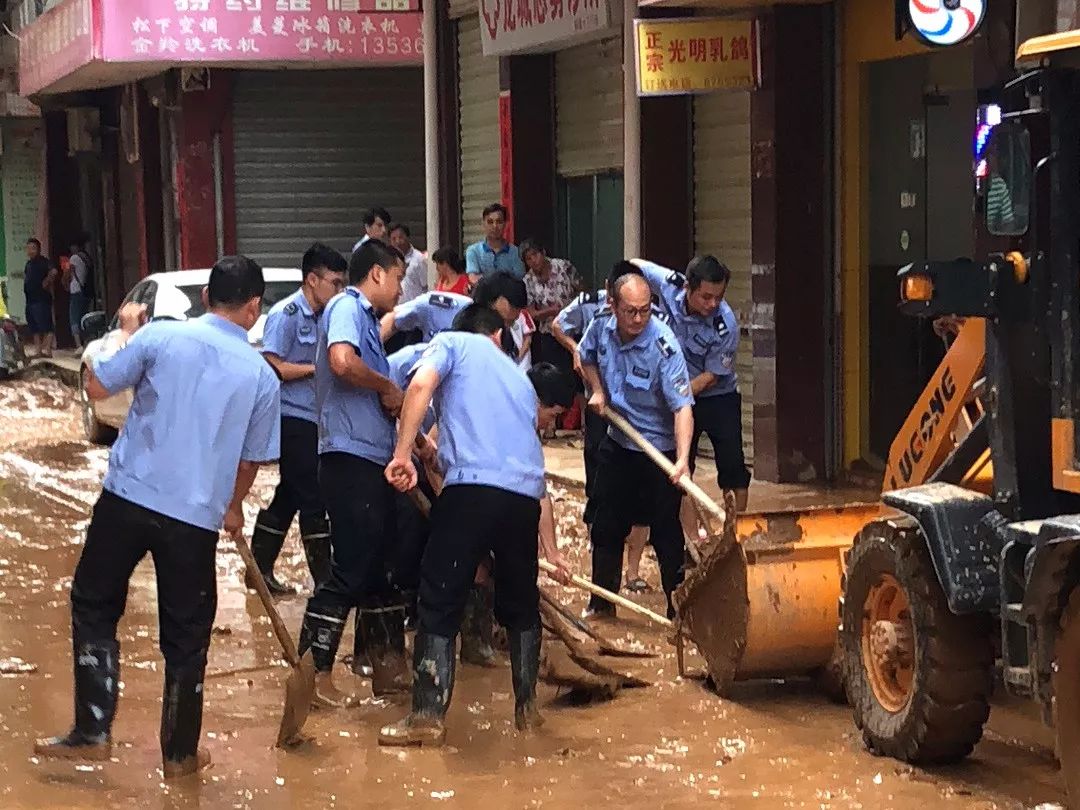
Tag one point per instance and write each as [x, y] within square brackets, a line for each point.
[83, 127]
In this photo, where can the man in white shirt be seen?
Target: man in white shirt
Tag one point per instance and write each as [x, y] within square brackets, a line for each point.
[413, 285]
[79, 282]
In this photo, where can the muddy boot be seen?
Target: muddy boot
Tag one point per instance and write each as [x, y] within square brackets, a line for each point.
[477, 630]
[97, 668]
[315, 535]
[181, 722]
[266, 543]
[384, 631]
[321, 633]
[524, 669]
[361, 661]
[433, 684]
[606, 572]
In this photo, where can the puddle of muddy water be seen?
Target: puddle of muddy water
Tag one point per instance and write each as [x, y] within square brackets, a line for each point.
[674, 745]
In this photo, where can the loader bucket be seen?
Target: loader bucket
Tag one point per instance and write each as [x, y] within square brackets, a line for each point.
[765, 602]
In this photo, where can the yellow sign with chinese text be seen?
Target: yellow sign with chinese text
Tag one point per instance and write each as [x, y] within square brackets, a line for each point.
[676, 57]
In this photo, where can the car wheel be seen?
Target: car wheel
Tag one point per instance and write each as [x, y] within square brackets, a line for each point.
[96, 432]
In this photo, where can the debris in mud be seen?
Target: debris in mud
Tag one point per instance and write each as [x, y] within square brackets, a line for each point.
[222, 631]
[16, 666]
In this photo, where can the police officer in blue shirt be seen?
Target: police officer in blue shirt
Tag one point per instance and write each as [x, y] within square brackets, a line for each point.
[205, 414]
[633, 362]
[429, 313]
[357, 404]
[489, 411]
[708, 332]
[289, 340]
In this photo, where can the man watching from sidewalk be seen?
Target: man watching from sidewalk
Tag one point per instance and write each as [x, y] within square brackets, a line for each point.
[39, 276]
[493, 253]
[79, 280]
[415, 283]
[290, 338]
[205, 414]
[375, 222]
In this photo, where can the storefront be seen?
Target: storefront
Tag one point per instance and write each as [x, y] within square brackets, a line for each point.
[22, 180]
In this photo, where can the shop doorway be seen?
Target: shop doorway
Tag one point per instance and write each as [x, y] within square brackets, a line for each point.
[921, 184]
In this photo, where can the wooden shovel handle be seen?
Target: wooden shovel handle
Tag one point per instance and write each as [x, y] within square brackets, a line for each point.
[280, 630]
[685, 483]
[614, 598]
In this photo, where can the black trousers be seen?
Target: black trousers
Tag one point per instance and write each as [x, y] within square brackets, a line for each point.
[630, 488]
[402, 339]
[467, 522]
[363, 533]
[595, 435]
[298, 489]
[546, 349]
[720, 417]
[120, 535]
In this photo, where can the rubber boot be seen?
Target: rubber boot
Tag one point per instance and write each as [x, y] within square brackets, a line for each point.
[606, 572]
[321, 633]
[266, 543]
[384, 630]
[433, 685]
[477, 629]
[97, 669]
[361, 661]
[315, 535]
[524, 670]
[181, 722]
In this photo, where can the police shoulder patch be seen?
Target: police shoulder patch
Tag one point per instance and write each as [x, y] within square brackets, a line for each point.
[444, 301]
[676, 279]
[589, 297]
[291, 308]
[604, 311]
[660, 315]
[666, 348]
[721, 325]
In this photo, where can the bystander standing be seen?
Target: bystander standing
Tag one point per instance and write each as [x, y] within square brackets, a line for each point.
[38, 280]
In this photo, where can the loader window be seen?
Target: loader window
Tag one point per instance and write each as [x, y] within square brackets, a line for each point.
[1007, 184]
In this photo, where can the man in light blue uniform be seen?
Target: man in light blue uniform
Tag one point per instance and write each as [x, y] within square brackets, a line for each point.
[569, 326]
[429, 313]
[489, 411]
[493, 254]
[708, 333]
[633, 362]
[357, 404]
[289, 340]
[205, 414]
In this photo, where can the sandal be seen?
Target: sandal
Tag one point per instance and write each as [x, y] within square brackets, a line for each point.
[637, 585]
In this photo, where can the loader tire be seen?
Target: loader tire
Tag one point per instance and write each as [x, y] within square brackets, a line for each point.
[1067, 697]
[918, 676]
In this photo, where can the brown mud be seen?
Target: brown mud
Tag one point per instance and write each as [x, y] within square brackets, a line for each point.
[672, 745]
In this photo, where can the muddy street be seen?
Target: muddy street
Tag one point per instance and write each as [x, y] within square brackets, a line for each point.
[674, 744]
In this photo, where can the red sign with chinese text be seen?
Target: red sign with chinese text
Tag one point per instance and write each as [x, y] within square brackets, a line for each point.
[506, 161]
[514, 26]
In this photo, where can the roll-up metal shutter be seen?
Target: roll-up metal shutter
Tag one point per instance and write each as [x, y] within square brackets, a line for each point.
[722, 217]
[314, 149]
[462, 8]
[478, 94]
[589, 108]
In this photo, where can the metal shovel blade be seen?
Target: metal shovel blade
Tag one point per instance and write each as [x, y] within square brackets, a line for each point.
[299, 690]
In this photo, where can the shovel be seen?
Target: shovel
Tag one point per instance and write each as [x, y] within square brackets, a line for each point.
[300, 686]
[606, 645]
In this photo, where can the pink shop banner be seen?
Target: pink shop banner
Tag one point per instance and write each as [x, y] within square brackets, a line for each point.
[208, 31]
[77, 38]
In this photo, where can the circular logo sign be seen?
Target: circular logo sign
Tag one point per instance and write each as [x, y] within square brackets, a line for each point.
[946, 22]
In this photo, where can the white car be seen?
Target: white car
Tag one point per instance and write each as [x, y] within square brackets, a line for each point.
[176, 296]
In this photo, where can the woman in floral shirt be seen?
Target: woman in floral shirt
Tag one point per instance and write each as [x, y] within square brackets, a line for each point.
[551, 284]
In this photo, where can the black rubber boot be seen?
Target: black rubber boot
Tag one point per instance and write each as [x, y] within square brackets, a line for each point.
[477, 630]
[97, 670]
[606, 572]
[433, 686]
[181, 722]
[524, 670]
[266, 543]
[315, 535]
[384, 631]
[321, 633]
[361, 661]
